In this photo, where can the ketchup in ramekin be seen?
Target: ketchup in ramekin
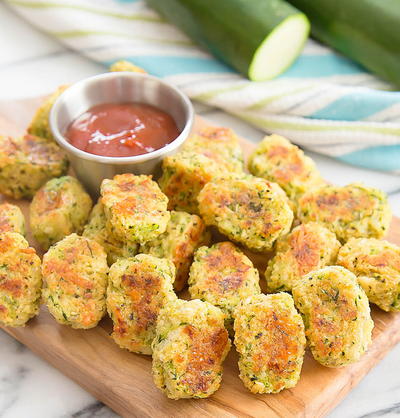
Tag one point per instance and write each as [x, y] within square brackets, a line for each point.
[122, 129]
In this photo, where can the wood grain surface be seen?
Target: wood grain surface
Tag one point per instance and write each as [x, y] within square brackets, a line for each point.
[123, 380]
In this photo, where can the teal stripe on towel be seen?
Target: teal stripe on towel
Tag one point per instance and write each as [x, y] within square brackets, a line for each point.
[312, 66]
[162, 66]
[385, 158]
[357, 105]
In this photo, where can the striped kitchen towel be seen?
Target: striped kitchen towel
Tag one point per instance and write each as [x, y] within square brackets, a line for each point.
[324, 102]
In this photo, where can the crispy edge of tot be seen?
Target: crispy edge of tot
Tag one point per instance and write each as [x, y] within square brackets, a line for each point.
[96, 230]
[270, 339]
[183, 177]
[39, 125]
[123, 65]
[184, 234]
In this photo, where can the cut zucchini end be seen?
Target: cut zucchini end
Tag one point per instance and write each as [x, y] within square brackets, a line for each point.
[280, 48]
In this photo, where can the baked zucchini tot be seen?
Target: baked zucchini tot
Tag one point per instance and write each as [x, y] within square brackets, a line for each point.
[224, 276]
[135, 208]
[75, 280]
[376, 263]
[269, 336]
[58, 209]
[139, 287]
[20, 280]
[352, 211]
[336, 315]
[11, 219]
[307, 247]
[190, 346]
[27, 163]
[277, 159]
[248, 210]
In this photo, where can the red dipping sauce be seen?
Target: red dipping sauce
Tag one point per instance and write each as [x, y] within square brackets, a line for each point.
[122, 129]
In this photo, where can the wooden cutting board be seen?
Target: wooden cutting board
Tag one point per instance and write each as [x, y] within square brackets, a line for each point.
[123, 381]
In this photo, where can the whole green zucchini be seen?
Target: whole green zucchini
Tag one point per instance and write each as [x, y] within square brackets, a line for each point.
[367, 31]
[259, 38]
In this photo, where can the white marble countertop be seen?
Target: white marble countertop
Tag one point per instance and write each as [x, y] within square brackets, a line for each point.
[32, 64]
